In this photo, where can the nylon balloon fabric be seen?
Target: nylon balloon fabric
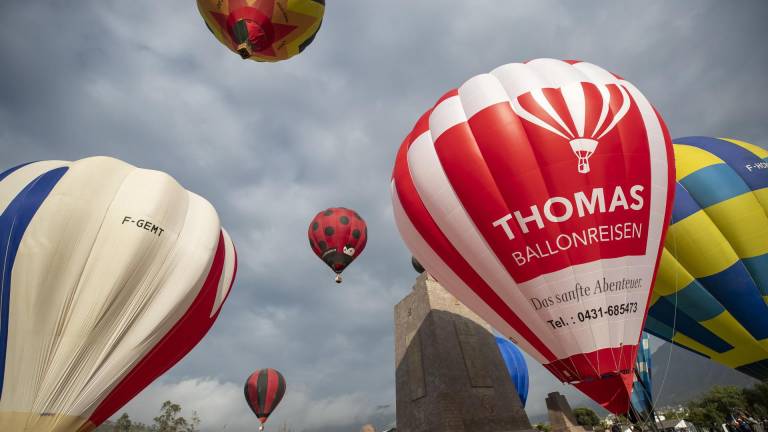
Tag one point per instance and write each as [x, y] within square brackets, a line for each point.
[642, 389]
[112, 274]
[515, 363]
[263, 30]
[539, 194]
[337, 236]
[711, 293]
[264, 389]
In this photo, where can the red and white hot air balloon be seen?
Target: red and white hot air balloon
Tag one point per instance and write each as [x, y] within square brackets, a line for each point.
[539, 195]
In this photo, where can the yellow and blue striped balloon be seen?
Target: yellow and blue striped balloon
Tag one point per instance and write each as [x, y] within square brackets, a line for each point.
[712, 286]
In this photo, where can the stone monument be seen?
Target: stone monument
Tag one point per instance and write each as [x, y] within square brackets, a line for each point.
[450, 376]
[561, 416]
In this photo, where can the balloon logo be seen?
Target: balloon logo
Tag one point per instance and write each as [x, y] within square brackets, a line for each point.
[582, 137]
[539, 195]
[112, 274]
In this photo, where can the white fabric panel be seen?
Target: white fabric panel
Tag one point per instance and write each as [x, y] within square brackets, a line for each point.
[445, 208]
[93, 293]
[443, 273]
[446, 114]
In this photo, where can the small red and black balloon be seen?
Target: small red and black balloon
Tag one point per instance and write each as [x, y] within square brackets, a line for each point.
[263, 391]
[337, 236]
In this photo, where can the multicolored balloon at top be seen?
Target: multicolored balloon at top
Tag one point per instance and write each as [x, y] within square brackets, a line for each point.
[112, 274]
[263, 30]
[337, 236]
[710, 296]
[539, 195]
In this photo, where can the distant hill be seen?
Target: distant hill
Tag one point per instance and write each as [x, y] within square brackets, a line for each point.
[688, 375]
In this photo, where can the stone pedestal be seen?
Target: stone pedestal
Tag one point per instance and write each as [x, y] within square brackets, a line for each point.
[561, 416]
[450, 375]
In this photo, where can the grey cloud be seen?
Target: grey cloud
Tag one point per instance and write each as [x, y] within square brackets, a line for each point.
[271, 144]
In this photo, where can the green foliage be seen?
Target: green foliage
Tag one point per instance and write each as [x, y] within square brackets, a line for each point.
[586, 417]
[123, 424]
[543, 427]
[170, 420]
[757, 399]
[714, 407]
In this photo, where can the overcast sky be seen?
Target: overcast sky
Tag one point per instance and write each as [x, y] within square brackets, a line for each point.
[271, 144]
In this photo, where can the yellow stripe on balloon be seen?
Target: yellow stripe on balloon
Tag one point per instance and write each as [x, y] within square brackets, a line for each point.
[689, 159]
[757, 150]
[699, 246]
[671, 276]
[743, 222]
[728, 329]
[687, 342]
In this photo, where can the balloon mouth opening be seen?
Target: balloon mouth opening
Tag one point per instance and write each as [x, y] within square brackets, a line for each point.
[251, 37]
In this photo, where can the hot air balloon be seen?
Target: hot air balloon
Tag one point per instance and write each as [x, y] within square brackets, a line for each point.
[263, 391]
[713, 279]
[112, 275]
[337, 236]
[641, 406]
[263, 30]
[515, 362]
[539, 195]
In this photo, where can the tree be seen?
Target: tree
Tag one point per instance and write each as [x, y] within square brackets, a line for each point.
[543, 427]
[757, 399]
[170, 419]
[713, 408]
[586, 417]
[123, 424]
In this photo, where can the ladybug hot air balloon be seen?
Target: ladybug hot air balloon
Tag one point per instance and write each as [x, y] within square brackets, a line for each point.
[713, 279]
[539, 195]
[263, 30]
[112, 274]
[264, 390]
[337, 236]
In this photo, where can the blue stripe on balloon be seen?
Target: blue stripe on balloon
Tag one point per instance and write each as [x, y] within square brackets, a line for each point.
[758, 369]
[737, 157]
[758, 268]
[684, 204]
[735, 289]
[696, 302]
[9, 171]
[713, 184]
[13, 224]
[664, 311]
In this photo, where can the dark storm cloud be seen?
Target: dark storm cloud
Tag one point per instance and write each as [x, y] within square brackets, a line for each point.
[271, 144]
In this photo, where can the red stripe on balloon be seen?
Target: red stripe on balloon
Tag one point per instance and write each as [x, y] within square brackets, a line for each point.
[179, 340]
[436, 239]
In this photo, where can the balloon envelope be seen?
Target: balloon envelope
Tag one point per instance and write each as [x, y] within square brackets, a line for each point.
[264, 389]
[337, 236]
[539, 194]
[112, 274]
[515, 362]
[263, 30]
[713, 280]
